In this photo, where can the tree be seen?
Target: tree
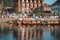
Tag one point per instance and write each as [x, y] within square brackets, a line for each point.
[8, 3]
[37, 11]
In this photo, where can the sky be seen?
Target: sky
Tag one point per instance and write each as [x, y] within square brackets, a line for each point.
[49, 2]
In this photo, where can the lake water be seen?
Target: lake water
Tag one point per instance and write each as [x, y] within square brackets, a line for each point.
[49, 32]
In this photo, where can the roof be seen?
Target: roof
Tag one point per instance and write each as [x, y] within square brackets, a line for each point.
[47, 5]
[57, 2]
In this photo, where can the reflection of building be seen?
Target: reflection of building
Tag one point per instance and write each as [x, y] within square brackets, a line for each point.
[56, 7]
[47, 7]
[55, 31]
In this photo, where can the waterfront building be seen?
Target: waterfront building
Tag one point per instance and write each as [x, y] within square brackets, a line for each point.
[26, 6]
[55, 7]
[47, 7]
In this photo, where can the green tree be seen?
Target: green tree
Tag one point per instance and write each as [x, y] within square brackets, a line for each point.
[8, 3]
[37, 11]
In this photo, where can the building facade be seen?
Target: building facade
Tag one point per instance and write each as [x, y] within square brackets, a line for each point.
[55, 8]
[47, 7]
[26, 6]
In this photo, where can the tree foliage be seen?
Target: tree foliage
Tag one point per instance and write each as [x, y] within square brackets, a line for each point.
[47, 11]
[8, 3]
[36, 10]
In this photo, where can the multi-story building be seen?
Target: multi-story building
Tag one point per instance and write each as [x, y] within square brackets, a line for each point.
[55, 7]
[47, 7]
[26, 6]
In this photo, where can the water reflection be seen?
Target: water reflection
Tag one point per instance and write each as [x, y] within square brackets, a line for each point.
[31, 32]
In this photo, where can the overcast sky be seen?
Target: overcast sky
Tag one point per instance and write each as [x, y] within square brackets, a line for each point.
[49, 1]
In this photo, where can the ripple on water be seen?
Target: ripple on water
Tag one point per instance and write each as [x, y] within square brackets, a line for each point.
[7, 36]
[46, 35]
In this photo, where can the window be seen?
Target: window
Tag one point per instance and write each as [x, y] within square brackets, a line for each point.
[23, 4]
[27, 1]
[22, 0]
